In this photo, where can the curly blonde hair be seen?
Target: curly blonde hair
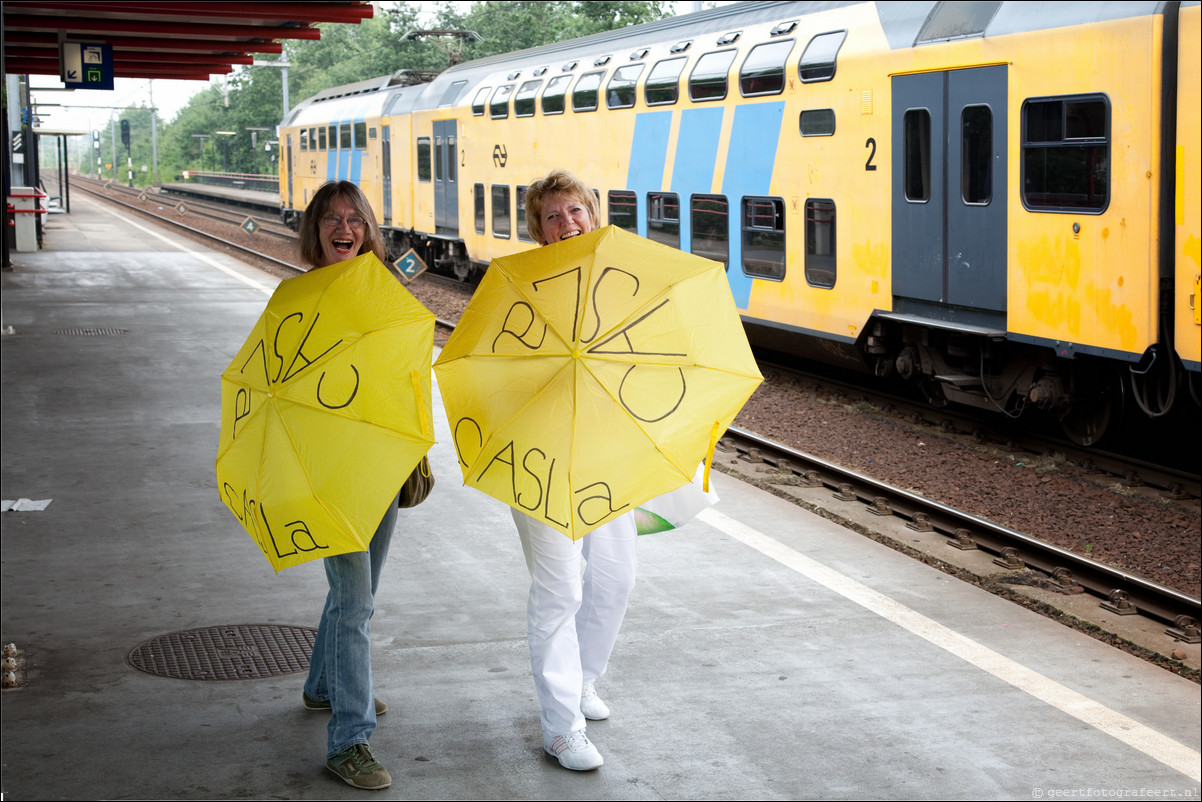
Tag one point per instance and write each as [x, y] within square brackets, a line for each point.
[557, 183]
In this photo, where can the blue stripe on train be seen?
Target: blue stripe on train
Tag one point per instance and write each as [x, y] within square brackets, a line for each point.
[648, 154]
[749, 161]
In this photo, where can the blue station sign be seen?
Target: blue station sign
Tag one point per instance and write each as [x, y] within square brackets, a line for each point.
[86, 65]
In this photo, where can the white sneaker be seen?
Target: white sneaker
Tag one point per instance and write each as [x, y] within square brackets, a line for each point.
[573, 751]
[591, 705]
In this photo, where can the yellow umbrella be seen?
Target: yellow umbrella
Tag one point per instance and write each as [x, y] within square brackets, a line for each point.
[591, 375]
[325, 411]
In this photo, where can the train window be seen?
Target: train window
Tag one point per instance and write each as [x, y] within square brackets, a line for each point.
[820, 243]
[523, 101]
[321, 138]
[452, 94]
[423, 158]
[480, 100]
[710, 218]
[707, 81]
[500, 211]
[621, 92]
[818, 61]
[478, 193]
[360, 136]
[663, 84]
[764, 237]
[1066, 154]
[333, 130]
[553, 96]
[344, 136]
[818, 122]
[663, 218]
[584, 96]
[523, 229]
[916, 152]
[451, 161]
[763, 71]
[976, 155]
[371, 132]
[623, 210]
[498, 109]
[439, 168]
[304, 140]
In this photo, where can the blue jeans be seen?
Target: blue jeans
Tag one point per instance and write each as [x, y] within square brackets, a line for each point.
[340, 668]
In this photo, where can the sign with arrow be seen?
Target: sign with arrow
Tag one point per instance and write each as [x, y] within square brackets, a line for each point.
[86, 65]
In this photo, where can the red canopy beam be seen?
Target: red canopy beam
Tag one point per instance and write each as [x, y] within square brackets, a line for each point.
[281, 12]
[27, 22]
[201, 45]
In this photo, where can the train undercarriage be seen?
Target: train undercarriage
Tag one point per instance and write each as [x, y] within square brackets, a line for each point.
[1087, 394]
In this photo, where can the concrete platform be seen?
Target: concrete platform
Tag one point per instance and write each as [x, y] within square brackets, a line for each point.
[768, 653]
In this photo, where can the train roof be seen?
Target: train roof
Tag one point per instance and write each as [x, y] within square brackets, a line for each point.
[361, 94]
[906, 23]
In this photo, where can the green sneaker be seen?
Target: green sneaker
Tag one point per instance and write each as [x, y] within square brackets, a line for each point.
[357, 766]
[324, 705]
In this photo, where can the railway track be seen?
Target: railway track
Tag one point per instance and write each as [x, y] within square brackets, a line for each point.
[1119, 592]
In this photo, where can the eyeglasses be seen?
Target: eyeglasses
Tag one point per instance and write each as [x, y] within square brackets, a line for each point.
[334, 221]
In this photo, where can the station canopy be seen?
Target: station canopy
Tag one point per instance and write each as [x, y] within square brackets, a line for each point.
[176, 41]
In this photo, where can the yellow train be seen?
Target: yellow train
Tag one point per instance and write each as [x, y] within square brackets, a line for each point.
[995, 201]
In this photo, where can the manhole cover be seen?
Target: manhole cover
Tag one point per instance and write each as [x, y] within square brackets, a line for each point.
[92, 332]
[238, 651]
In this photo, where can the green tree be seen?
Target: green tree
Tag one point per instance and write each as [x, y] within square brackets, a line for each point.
[252, 97]
[509, 26]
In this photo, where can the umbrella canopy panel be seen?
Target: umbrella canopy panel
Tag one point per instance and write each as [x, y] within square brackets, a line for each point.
[326, 411]
[590, 375]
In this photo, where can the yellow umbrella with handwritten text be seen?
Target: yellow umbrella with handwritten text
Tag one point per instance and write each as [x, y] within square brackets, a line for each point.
[588, 376]
[325, 411]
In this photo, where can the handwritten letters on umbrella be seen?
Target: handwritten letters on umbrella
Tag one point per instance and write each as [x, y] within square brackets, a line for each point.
[325, 411]
[589, 376]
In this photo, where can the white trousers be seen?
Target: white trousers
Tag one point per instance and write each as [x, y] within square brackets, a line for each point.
[572, 619]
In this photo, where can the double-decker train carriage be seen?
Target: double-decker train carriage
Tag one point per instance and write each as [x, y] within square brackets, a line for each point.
[995, 201]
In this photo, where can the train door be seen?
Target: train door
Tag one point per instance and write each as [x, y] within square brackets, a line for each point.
[949, 188]
[386, 166]
[446, 180]
[289, 168]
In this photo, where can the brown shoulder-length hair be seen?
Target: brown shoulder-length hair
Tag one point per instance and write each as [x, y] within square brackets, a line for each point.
[310, 225]
[557, 182]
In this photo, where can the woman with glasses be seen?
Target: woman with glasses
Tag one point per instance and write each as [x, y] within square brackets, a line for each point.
[339, 225]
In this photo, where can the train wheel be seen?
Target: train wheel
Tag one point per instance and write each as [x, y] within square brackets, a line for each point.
[1096, 408]
[932, 391]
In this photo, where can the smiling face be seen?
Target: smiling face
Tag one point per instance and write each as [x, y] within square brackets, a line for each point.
[564, 217]
[341, 241]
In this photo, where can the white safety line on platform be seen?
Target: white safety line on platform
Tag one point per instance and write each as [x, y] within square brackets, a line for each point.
[202, 257]
[1176, 756]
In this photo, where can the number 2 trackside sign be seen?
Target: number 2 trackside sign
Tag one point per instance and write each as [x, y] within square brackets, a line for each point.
[86, 65]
